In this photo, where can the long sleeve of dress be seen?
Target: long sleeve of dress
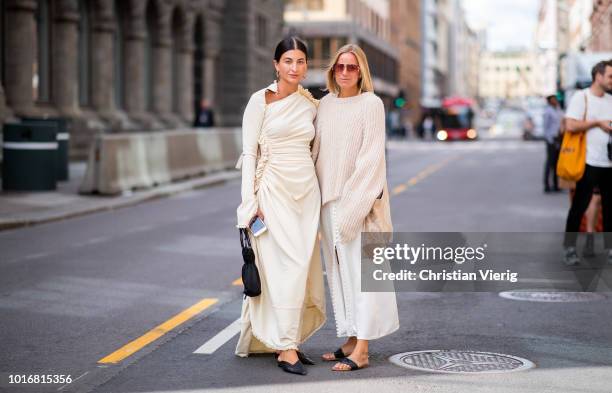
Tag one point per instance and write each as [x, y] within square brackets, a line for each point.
[251, 126]
[367, 181]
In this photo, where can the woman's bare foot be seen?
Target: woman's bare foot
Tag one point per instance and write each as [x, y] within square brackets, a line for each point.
[360, 359]
[347, 349]
[290, 356]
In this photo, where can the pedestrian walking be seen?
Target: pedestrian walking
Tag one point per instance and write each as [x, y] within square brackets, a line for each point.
[590, 111]
[279, 185]
[349, 152]
[553, 115]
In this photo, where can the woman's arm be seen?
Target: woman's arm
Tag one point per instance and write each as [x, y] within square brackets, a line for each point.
[316, 142]
[251, 127]
[366, 183]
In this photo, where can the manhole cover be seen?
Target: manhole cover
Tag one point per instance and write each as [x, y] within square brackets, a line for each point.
[551, 296]
[460, 362]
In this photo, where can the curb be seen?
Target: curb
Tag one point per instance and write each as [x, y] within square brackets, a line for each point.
[116, 203]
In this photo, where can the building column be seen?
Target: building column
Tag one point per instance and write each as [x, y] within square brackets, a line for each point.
[162, 72]
[212, 48]
[134, 76]
[185, 85]
[20, 29]
[5, 111]
[65, 69]
[102, 60]
[185, 70]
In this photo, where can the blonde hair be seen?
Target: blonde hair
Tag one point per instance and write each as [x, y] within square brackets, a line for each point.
[365, 79]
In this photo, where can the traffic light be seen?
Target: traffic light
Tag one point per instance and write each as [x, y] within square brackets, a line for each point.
[400, 101]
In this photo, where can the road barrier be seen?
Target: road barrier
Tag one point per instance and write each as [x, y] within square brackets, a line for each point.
[122, 162]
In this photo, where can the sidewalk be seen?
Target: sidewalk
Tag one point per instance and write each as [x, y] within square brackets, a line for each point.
[19, 209]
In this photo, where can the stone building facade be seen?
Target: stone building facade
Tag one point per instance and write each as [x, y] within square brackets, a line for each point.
[509, 75]
[601, 22]
[406, 37]
[327, 25]
[133, 65]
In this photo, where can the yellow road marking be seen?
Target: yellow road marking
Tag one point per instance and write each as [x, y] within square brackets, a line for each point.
[399, 189]
[422, 175]
[237, 281]
[157, 332]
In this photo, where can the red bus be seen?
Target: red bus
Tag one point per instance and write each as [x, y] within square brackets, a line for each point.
[456, 120]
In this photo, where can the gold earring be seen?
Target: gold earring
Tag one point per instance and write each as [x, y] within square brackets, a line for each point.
[277, 75]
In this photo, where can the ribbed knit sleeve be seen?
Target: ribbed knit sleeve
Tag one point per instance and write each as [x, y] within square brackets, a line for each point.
[251, 126]
[366, 182]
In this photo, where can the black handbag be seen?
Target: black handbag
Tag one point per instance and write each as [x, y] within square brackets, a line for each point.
[250, 274]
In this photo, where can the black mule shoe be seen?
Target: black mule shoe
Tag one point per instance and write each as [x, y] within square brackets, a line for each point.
[296, 368]
[305, 359]
[302, 357]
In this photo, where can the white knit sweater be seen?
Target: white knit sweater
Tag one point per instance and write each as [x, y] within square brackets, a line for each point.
[349, 155]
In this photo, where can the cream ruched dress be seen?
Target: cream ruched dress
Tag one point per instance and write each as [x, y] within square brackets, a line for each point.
[280, 179]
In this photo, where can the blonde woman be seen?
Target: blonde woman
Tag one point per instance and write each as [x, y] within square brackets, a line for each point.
[279, 185]
[349, 153]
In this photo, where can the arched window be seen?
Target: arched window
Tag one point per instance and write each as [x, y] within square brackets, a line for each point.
[178, 26]
[198, 63]
[84, 56]
[149, 61]
[41, 72]
[120, 16]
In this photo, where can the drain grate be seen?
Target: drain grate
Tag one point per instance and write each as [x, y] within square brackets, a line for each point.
[552, 296]
[460, 362]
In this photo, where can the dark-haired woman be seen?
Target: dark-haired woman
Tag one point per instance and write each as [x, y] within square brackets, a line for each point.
[279, 185]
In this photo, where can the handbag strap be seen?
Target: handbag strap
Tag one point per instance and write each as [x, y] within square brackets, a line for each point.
[244, 238]
[586, 104]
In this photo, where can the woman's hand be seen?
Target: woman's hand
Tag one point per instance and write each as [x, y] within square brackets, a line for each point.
[259, 214]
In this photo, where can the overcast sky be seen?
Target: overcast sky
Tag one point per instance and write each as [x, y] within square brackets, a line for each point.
[509, 23]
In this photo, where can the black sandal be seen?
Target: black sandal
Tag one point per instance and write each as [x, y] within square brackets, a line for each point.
[295, 368]
[338, 354]
[353, 366]
[302, 358]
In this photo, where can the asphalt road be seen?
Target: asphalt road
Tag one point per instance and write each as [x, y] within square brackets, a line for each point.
[76, 291]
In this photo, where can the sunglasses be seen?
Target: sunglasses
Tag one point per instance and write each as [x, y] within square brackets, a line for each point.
[339, 67]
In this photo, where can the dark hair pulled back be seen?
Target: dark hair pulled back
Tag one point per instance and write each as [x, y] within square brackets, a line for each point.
[287, 44]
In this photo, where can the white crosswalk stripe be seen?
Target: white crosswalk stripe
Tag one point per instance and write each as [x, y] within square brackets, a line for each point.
[219, 339]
